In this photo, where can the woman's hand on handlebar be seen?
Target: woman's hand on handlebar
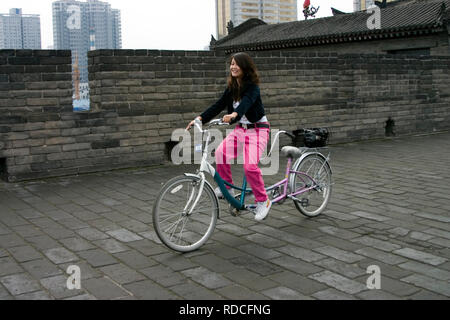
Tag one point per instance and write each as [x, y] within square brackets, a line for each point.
[230, 117]
[191, 124]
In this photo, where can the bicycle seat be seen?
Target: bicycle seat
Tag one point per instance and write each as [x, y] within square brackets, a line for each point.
[292, 152]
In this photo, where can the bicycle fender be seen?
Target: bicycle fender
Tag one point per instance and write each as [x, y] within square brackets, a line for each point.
[312, 153]
[198, 177]
[206, 182]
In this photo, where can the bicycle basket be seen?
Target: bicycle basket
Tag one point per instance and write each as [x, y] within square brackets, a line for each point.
[311, 138]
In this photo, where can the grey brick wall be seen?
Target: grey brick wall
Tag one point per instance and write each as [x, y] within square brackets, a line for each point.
[35, 89]
[138, 97]
[355, 94]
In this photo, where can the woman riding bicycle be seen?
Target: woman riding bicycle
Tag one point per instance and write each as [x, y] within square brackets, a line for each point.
[242, 99]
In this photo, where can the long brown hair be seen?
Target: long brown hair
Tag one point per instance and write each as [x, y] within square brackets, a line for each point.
[248, 67]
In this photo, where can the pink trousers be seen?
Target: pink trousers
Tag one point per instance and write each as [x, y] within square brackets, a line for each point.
[253, 142]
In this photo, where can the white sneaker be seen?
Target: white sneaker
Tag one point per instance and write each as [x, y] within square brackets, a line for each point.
[219, 194]
[262, 210]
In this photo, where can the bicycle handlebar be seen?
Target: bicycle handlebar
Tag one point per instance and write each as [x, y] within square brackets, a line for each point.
[217, 122]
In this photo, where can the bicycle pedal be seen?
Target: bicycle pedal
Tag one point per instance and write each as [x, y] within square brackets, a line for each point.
[251, 208]
[235, 212]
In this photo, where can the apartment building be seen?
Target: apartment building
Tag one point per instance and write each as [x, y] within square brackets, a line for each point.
[20, 31]
[238, 11]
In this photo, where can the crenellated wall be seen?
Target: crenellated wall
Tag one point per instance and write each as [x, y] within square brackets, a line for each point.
[138, 97]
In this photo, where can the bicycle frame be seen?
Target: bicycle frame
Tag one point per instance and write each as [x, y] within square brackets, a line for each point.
[206, 167]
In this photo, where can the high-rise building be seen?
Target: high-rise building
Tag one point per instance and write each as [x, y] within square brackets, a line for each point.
[81, 27]
[84, 26]
[238, 11]
[20, 31]
[360, 5]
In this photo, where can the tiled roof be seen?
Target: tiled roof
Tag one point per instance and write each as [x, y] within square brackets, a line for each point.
[400, 20]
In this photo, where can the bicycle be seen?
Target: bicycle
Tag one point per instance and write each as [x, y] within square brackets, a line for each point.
[186, 210]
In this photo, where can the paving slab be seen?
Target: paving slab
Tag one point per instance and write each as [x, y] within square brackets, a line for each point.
[338, 282]
[20, 283]
[102, 222]
[421, 256]
[8, 266]
[283, 293]
[122, 274]
[104, 289]
[124, 235]
[41, 268]
[60, 255]
[207, 278]
[438, 286]
[57, 286]
[333, 294]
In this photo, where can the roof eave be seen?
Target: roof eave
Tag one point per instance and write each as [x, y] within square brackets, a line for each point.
[338, 38]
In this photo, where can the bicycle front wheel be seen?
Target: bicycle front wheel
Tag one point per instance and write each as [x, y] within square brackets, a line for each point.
[176, 226]
[313, 176]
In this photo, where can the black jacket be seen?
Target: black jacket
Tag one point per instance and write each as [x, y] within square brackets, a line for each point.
[250, 105]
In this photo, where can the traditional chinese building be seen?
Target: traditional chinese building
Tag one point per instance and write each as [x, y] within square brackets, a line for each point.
[404, 27]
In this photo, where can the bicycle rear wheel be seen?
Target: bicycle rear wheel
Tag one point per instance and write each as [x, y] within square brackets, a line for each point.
[316, 176]
[175, 227]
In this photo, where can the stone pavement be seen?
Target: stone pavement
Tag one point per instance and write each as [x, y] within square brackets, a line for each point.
[390, 208]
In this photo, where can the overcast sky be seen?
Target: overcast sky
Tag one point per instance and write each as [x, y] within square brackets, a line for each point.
[159, 24]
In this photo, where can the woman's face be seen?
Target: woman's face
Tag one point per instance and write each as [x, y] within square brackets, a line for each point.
[236, 71]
